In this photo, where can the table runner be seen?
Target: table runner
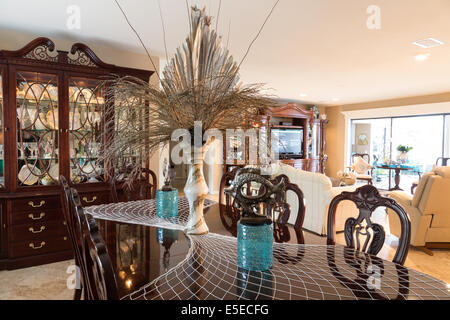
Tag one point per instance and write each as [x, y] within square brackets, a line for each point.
[299, 272]
[210, 271]
[143, 212]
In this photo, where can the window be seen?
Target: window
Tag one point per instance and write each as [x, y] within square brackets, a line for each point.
[429, 137]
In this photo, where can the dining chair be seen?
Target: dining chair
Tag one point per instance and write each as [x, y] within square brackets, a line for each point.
[139, 189]
[281, 210]
[100, 278]
[367, 199]
[73, 225]
[362, 168]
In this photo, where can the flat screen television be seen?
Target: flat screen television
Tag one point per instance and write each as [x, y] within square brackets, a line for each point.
[290, 142]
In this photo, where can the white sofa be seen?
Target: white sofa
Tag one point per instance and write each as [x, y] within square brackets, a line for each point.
[318, 193]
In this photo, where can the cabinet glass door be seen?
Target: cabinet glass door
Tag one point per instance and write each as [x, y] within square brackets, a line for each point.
[37, 128]
[86, 103]
[2, 179]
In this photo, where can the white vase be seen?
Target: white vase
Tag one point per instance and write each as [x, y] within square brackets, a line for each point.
[196, 190]
[402, 157]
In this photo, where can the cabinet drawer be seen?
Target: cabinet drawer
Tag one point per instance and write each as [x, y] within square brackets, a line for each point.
[36, 203]
[38, 230]
[94, 198]
[46, 245]
[31, 216]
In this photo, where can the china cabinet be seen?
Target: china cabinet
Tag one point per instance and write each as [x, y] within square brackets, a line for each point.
[51, 119]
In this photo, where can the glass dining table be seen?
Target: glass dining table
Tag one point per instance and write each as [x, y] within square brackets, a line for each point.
[155, 259]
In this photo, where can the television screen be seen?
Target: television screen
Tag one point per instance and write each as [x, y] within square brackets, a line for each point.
[290, 141]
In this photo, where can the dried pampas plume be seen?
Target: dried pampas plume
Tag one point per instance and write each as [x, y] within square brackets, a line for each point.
[200, 83]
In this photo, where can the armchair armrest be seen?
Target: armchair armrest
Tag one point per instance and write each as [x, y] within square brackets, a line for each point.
[404, 199]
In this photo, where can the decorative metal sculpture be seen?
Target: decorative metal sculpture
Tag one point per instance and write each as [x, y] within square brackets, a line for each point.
[248, 204]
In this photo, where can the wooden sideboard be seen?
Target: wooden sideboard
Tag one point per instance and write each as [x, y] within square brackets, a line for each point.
[313, 157]
[51, 111]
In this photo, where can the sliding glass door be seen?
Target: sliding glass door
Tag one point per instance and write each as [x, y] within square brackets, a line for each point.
[428, 137]
[423, 134]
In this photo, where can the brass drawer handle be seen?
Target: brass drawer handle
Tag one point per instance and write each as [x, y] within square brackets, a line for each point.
[31, 203]
[31, 245]
[89, 201]
[31, 229]
[32, 217]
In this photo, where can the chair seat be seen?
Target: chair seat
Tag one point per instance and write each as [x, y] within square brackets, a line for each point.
[363, 177]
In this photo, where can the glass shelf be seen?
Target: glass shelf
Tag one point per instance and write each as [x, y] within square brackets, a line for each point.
[37, 115]
[86, 100]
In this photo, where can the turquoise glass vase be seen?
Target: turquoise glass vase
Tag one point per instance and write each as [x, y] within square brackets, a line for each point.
[167, 203]
[255, 246]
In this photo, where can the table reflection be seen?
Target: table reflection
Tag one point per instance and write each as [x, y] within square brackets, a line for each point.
[158, 263]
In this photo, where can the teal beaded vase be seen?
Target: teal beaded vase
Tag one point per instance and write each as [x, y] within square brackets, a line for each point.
[255, 246]
[167, 202]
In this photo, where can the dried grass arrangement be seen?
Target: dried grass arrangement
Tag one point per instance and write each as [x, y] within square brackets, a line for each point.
[200, 83]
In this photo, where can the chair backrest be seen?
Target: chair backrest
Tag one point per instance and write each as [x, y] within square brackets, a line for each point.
[100, 276]
[443, 160]
[282, 208]
[365, 156]
[139, 189]
[367, 199]
[73, 224]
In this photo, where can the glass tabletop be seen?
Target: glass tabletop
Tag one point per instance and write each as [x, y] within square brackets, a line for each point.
[160, 263]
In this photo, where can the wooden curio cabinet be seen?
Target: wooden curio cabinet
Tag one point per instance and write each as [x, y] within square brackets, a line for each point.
[52, 107]
[291, 116]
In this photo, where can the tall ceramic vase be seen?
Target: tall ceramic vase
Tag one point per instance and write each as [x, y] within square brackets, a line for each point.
[196, 190]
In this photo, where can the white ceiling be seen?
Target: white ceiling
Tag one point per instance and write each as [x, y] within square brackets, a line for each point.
[318, 47]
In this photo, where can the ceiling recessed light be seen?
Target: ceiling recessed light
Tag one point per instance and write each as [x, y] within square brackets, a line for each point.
[335, 99]
[422, 57]
[428, 43]
[303, 95]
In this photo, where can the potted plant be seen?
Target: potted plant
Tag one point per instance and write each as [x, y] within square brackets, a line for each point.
[403, 153]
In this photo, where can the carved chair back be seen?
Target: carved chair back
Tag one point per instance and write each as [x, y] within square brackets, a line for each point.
[365, 156]
[281, 209]
[367, 199]
[100, 277]
[443, 161]
[140, 189]
[74, 231]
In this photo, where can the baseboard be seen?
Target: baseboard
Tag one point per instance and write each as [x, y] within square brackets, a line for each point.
[19, 263]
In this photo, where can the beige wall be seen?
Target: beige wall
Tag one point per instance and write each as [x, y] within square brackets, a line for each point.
[337, 130]
[361, 128]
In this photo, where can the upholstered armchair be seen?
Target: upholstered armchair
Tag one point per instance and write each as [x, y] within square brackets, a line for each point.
[428, 209]
[441, 161]
[361, 167]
